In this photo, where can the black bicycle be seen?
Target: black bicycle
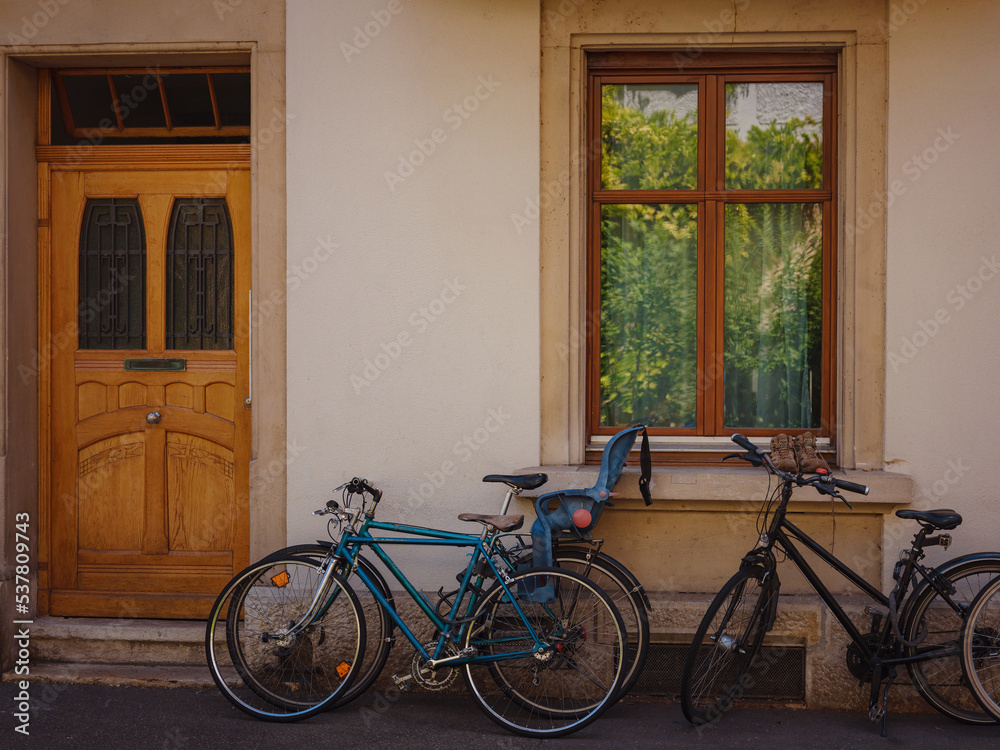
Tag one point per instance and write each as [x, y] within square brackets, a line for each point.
[920, 629]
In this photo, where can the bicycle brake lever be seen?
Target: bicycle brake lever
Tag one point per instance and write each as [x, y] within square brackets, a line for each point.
[825, 486]
[332, 506]
[745, 457]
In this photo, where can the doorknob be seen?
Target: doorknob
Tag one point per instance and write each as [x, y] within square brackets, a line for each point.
[153, 417]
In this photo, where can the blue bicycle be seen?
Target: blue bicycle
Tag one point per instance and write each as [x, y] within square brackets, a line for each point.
[542, 650]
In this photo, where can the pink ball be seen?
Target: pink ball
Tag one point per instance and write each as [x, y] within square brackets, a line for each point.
[582, 518]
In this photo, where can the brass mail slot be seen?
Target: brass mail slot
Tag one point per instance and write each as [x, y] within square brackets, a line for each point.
[156, 365]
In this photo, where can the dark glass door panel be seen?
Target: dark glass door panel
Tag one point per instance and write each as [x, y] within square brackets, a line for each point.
[112, 311]
[199, 293]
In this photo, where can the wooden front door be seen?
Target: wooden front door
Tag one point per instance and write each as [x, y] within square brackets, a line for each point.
[150, 427]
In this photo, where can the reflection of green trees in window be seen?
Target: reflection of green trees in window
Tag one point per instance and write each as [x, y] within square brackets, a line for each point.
[649, 308]
[774, 317]
[786, 155]
[773, 273]
[647, 146]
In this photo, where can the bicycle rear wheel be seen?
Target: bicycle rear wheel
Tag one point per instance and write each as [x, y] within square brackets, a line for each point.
[567, 684]
[941, 681]
[261, 663]
[981, 648]
[725, 644]
[621, 586]
[378, 623]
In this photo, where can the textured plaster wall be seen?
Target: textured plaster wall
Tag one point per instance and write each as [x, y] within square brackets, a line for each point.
[943, 287]
[412, 298]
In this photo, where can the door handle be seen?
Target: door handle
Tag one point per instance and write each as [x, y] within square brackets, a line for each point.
[154, 417]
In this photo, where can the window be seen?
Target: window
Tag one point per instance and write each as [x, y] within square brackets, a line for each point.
[150, 105]
[711, 213]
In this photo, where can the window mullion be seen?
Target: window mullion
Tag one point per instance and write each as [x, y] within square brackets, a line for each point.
[707, 371]
[711, 285]
[710, 178]
[715, 306]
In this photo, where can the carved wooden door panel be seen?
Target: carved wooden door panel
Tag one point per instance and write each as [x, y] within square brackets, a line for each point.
[150, 434]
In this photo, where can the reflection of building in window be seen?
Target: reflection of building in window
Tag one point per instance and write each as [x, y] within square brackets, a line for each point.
[763, 104]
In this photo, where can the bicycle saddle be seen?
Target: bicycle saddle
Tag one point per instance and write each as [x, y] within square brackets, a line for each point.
[943, 518]
[519, 481]
[500, 523]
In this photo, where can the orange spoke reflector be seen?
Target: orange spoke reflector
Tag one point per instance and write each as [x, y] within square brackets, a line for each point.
[342, 669]
[281, 579]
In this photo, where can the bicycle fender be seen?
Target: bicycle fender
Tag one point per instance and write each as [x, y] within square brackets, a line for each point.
[762, 563]
[774, 588]
[944, 567]
[954, 563]
[625, 572]
[762, 557]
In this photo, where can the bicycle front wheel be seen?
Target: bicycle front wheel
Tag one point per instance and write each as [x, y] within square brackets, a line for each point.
[941, 681]
[378, 624]
[265, 659]
[981, 648]
[724, 646]
[567, 683]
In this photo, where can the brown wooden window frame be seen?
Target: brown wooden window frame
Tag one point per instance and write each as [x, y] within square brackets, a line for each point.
[712, 71]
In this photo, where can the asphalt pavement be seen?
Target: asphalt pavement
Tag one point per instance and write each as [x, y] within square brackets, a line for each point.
[93, 717]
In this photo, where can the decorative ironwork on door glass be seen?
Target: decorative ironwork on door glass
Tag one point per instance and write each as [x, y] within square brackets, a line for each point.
[112, 312]
[200, 275]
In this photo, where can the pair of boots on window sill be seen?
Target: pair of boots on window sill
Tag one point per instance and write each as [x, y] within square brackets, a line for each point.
[797, 454]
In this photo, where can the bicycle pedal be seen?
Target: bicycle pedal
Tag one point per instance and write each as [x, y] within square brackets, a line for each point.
[401, 682]
[875, 713]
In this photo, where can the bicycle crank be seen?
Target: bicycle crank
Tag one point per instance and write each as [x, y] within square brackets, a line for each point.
[437, 678]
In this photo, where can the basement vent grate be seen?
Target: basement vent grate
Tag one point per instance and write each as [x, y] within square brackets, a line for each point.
[778, 673]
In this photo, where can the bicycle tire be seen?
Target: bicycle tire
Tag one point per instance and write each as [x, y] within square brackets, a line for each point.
[570, 683]
[378, 624]
[941, 681]
[257, 666]
[725, 644]
[624, 590]
[514, 692]
[981, 648]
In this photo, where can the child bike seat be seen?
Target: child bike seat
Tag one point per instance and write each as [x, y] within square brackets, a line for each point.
[576, 512]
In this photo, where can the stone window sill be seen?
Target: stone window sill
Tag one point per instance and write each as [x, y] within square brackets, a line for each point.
[697, 487]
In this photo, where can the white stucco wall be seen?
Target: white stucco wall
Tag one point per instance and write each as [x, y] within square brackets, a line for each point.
[943, 401]
[413, 132]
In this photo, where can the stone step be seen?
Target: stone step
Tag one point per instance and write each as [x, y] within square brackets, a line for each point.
[153, 653]
[131, 675]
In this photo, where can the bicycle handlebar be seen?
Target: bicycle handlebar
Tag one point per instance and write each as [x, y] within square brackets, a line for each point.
[824, 483]
[843, 484]
[744, 442]
[358, 485]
